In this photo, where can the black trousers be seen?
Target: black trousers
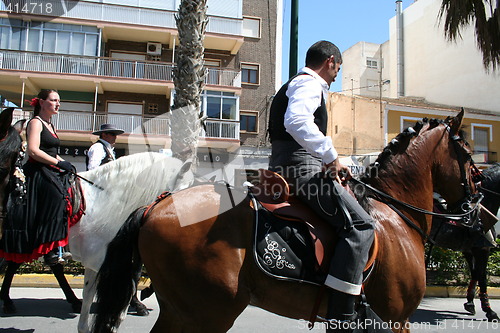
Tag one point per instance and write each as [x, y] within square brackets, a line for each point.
[307, 181]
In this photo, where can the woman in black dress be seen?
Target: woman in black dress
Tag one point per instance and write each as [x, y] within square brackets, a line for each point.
[39, 226]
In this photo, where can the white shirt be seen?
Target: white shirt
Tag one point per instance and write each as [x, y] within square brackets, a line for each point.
[304, 98]
[97, 153]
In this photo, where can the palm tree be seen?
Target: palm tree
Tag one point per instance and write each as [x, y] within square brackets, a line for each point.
[189, 78]
[461, 13]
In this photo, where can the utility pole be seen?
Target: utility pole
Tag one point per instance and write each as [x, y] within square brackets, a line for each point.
[294, 38]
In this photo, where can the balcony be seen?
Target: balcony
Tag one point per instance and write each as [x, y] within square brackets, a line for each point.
[106, 67]
[134, 124]
[226, 19]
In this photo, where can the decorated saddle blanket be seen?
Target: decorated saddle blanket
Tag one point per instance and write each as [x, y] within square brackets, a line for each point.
[284, 249]
[291, 241]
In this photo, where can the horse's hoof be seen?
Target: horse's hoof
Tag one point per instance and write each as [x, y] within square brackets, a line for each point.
[76, 305]
[142, 311]
[9, 308]
[469, 307]
[492, 316]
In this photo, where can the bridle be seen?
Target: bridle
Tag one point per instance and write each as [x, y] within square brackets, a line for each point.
[466, 209]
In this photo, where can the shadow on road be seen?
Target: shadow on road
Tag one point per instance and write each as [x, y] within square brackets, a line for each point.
[32, 307]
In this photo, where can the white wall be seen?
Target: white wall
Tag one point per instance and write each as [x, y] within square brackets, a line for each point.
[443, 72]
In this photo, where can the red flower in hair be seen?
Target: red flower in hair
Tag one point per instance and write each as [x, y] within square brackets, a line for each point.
[34, 102]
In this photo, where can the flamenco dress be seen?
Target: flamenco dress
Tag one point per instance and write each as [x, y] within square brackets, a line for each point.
[39, 224]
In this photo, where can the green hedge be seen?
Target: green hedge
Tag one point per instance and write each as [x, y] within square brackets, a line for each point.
[447, 267]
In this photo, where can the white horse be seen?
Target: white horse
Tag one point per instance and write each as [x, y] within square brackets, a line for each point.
[120, 187]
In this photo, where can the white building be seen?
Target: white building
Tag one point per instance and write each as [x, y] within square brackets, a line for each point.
[429, 66]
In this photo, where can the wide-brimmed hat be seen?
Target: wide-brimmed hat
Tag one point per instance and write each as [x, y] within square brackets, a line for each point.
[108, 128]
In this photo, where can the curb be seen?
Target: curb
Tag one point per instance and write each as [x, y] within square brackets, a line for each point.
[76, 281]
[49, 281]
[454, 291]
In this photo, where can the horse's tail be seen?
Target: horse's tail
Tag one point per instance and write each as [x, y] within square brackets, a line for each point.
[116, 279]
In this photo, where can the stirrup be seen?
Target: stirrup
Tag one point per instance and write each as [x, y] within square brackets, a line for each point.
[346, 324]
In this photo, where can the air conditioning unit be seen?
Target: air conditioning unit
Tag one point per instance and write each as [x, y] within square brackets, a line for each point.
[154, 48]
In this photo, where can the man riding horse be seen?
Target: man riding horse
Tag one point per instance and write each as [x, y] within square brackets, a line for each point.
[301, 152]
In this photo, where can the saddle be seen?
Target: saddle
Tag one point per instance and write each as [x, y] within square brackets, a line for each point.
[279, 209]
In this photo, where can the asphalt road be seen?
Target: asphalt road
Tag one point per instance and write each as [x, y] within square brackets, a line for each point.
[44, 310]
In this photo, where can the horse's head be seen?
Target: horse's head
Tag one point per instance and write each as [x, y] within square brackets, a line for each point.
[10, 146]
[451, 171]
[431, 156]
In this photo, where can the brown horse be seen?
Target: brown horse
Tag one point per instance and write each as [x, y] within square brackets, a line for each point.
[200, 255]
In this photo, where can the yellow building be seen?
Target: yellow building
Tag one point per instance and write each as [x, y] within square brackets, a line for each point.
[363, 126]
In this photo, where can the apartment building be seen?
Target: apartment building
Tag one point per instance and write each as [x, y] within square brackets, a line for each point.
[112, 61]
[419, 73]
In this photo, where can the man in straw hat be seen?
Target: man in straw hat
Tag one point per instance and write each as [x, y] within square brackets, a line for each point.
[103, 151]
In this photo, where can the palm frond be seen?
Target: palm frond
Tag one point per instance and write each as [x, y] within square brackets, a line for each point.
[459, 14]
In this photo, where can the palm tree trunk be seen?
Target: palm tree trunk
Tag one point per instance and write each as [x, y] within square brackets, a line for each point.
[189, 78]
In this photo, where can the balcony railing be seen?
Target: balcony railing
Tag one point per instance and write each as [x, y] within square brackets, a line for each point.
[133, 124]
[129, 14]
[105, 67]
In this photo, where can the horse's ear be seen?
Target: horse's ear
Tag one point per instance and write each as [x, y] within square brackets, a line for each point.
[19, 125]
[456, 122]
[5, 121]
[185, 167]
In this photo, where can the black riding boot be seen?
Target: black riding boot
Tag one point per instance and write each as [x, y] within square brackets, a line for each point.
[341, 312]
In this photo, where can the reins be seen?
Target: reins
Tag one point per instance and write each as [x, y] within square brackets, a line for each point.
[482, 189]
[468, 209]
[415, 208]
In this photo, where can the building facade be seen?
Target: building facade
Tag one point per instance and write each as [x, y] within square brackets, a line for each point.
[112, 61]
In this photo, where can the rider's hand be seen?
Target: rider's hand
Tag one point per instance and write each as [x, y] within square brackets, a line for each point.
[65, 165]
[339, 171]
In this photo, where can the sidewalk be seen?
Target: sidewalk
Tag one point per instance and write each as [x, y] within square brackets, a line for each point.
[76, 281]
[49, 281]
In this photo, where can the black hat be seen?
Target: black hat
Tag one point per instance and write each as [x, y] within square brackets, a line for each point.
[108, 128]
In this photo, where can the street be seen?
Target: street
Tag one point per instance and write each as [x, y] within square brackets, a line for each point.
[44, 310]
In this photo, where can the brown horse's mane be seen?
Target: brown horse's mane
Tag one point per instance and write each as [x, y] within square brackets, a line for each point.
[397, 146]
[401, 142]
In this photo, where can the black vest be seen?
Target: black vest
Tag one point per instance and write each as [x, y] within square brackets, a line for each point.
[279, 105]
[106, 159]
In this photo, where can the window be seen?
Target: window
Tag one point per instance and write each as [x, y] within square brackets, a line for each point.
[371, 63]
[251, 27]
[250, 73]
[408, 122]
[213, 73]
[481, 135]
[220, 105]
[212, 63]
[48, 37]
[125, 108]
[76, 106]
[248, 121]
